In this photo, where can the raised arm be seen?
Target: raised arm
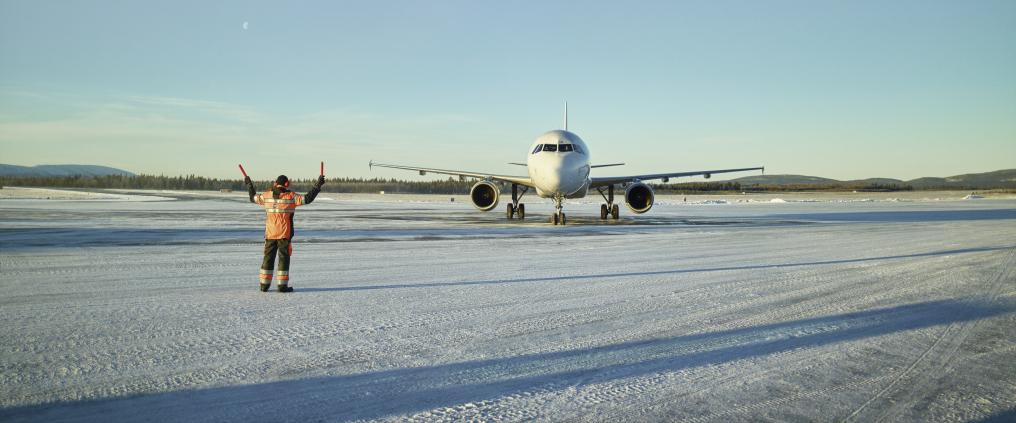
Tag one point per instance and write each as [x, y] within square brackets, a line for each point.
[250, 188]
[309, 197]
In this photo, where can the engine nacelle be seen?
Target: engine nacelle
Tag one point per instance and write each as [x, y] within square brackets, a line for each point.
[639, 197]
[485, 195]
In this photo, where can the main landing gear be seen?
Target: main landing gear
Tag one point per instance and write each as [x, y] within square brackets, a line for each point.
[515, 208]
[608, 209]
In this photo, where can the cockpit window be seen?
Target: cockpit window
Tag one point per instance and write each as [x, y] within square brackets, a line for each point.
[564, 148]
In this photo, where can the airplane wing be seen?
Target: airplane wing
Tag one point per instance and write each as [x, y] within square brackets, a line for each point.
[612, 180]
[520, 180]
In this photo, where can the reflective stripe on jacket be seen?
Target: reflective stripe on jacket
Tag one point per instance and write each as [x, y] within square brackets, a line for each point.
[279, 219]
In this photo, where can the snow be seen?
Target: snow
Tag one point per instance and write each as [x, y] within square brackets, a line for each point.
[20, 193]
[418, 308]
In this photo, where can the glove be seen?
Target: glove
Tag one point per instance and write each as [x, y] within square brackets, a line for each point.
[247, 181]
[320, 181]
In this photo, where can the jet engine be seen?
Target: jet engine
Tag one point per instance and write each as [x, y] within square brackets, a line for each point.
[639, 197]
[485, 195]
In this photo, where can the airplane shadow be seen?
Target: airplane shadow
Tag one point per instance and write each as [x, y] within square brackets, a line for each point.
[654, 273]
[381, 393]
[1007, 416]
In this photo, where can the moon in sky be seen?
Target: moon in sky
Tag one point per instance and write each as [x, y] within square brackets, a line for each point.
[245, 26]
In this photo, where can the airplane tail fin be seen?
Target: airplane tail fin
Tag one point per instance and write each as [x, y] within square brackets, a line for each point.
[566, 115]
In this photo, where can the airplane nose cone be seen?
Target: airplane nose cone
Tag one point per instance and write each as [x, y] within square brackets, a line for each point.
[565, 177]
[551, 181]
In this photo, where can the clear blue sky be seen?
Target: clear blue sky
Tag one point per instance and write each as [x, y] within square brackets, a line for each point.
[845, 89]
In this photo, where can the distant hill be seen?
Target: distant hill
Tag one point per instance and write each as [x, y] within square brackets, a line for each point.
[784, 180]
[876, 181]
[989, 180]
[60, 170]
[996, 179]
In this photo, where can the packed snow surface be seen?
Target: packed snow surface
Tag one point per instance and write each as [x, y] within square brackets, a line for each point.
[422, 309]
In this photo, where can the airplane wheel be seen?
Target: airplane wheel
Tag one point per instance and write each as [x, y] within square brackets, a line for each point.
[554, 219]
[603, 211]
[511, 211]
[615, 212]
[562, 218]
[521, 210]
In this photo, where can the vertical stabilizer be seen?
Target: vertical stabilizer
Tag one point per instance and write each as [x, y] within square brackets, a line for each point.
[566, 115]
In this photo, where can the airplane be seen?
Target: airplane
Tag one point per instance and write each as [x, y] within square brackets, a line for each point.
[559, 167]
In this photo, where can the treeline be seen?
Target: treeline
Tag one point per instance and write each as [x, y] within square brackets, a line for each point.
[697, 187]
[200, 183]
[191, 182]
[868, 187]
[375, 185]
[395, 186]
[728, 187]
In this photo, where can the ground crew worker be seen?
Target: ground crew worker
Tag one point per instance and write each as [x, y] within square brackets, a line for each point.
[279, 203]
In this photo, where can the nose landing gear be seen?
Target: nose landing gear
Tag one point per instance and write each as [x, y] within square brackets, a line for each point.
[558, 211]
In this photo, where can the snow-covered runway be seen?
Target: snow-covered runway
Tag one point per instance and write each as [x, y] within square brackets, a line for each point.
[423, 309]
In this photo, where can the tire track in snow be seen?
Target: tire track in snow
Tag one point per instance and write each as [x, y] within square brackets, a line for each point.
[854, 295]
[949, 340]
[818, 300]
[594, 393]
[794, 302]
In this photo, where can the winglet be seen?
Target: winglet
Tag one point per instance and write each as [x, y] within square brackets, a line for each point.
[371, 165]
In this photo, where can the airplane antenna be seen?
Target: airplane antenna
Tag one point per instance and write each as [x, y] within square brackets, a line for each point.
[566, 115]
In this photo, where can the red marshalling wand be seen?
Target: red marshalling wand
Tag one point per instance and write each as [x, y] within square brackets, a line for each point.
[243, 171]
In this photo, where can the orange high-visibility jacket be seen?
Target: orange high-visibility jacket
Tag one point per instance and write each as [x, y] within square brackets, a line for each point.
[279, 222]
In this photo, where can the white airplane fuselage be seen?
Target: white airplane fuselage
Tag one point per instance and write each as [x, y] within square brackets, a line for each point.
[563, 172]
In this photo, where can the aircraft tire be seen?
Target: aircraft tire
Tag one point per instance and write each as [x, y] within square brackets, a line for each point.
[511, 211]
[521, 210]
[616, 212]
[603, 211]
